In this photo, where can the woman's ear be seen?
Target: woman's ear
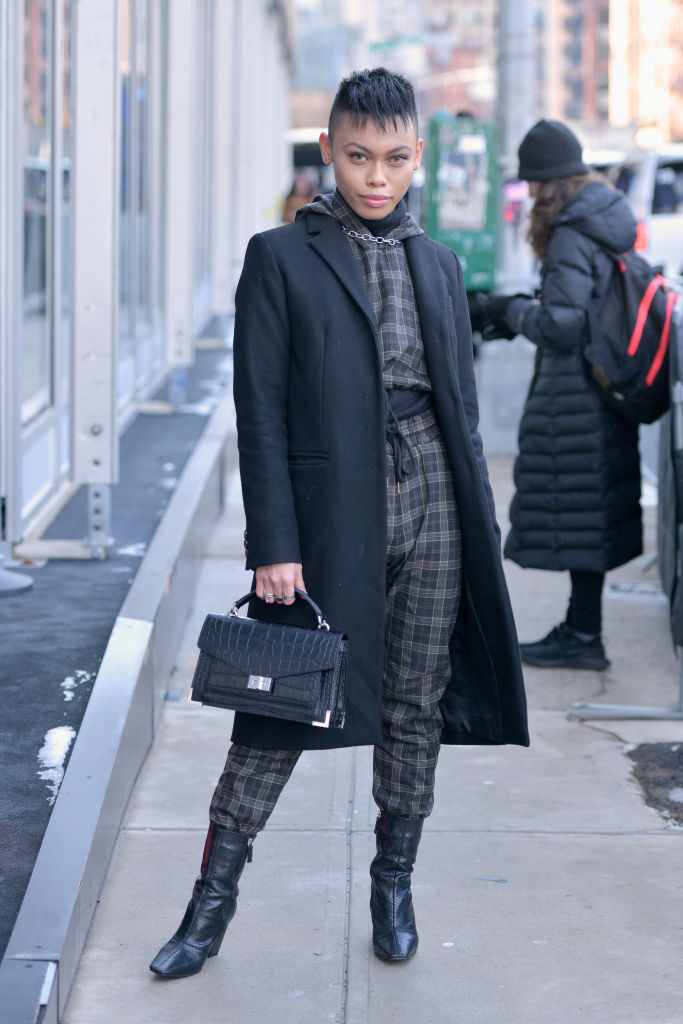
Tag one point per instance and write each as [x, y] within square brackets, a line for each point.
[325, 147]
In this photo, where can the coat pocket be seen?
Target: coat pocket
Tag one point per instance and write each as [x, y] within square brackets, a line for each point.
[307, 458]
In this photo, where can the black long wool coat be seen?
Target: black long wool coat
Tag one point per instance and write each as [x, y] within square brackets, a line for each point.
[311, 435]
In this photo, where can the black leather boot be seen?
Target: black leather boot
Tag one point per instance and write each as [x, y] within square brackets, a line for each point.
[212, 907]
[394, 935]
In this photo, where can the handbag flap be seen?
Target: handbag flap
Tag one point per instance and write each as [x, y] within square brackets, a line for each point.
[249, 646]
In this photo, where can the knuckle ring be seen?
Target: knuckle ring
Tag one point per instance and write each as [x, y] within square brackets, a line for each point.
[289, 597]
[266, 596]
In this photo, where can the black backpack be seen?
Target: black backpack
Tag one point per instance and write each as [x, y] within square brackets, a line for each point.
[629, 323]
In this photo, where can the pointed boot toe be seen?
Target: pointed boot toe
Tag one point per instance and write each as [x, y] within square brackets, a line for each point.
[178, 960]
[396, 944]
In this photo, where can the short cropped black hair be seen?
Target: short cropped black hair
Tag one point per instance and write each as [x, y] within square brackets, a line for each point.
[378, 95]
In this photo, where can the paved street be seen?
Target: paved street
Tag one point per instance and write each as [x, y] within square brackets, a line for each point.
[53, 636]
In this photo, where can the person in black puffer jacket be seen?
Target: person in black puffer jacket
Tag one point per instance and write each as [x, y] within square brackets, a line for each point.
[577, 475]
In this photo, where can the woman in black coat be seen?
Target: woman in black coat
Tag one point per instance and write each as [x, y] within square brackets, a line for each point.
[577, 475]
[364, 483]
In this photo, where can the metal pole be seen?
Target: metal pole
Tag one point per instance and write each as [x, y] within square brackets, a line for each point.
[13, 582]
[10, 420]
[516, 74]
[94, 446]
[11, 262]
[183, 21]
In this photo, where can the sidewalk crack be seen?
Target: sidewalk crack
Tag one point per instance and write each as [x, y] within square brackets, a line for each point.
[347, 897]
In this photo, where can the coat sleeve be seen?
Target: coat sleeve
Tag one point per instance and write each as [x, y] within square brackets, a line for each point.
[468, 387]
[558, 322]
[261, 352]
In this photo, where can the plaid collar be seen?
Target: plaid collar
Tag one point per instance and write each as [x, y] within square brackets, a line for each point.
[333, 205]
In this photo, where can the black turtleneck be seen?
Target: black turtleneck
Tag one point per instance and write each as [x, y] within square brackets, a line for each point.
[384, 224]
[380, 227]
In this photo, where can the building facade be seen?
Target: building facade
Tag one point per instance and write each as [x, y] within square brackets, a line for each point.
[461, 48]
[646, 68]
[613, 69]
[573, 64]
[141, 143]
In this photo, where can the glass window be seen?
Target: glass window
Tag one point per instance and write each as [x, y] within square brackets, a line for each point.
[125, 239]
[623, 176]
[202, 149]
[37, 356]
[668, 190]
[65, 185]
[142, 255]
[136, 252]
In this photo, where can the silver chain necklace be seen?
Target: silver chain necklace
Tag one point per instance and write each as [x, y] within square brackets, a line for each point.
[371, 238]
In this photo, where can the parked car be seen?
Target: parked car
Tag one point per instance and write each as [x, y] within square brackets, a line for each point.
[653, 183]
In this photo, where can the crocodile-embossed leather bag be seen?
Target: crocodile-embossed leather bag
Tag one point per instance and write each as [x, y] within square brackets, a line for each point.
[267, 669]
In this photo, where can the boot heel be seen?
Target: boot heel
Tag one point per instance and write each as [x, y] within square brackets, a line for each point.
[217, 942]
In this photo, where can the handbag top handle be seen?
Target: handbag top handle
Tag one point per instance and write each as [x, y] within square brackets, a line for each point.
[322, 622]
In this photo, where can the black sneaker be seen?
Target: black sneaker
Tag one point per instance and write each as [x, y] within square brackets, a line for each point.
[564, 647]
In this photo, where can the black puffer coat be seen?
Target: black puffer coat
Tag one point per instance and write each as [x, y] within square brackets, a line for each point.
[577, 504]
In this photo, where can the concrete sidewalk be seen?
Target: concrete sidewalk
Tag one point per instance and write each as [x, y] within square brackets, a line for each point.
[546, 889]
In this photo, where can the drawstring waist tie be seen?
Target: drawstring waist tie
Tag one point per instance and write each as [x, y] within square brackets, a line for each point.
[405, 405]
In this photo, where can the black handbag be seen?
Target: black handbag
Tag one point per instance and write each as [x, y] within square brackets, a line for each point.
[267, 669]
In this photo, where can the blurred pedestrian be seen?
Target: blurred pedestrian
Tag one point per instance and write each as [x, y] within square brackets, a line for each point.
[363, 475]
[577, 475]
[304, 188]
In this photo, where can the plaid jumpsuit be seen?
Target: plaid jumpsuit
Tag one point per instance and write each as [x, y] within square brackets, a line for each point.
[423, 568]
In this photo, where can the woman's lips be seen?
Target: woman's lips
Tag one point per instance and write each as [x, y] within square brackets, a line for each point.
[375, 200]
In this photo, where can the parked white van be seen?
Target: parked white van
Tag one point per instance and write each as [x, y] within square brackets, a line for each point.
[653, 183]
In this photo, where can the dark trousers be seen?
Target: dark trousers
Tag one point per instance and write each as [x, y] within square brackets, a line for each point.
[585, 603]
[423, 586]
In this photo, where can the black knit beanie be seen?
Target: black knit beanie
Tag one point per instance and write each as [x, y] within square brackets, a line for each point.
[550, 150]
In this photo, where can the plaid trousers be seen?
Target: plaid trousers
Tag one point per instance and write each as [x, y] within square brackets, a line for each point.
[423, 587]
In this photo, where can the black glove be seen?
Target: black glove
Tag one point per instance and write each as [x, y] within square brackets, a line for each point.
[487, 315]
[493, 311]
[496, 306]
[477, 303]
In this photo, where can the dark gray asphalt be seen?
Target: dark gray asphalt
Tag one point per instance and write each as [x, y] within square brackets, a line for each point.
[53, 636]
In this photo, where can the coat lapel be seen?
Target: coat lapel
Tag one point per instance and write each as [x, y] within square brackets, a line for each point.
[432, 301]
[327, 239]
[429, 284]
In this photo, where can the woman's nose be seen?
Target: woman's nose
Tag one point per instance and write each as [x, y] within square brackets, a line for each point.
[376, 174]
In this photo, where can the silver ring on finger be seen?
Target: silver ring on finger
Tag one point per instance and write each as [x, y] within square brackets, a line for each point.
[289, 597]
[266, 596]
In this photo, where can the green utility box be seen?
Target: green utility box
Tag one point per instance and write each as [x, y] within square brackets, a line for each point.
[462, 193]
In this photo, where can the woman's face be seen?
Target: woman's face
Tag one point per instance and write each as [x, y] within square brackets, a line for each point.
[372, 168]
[533, 188]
